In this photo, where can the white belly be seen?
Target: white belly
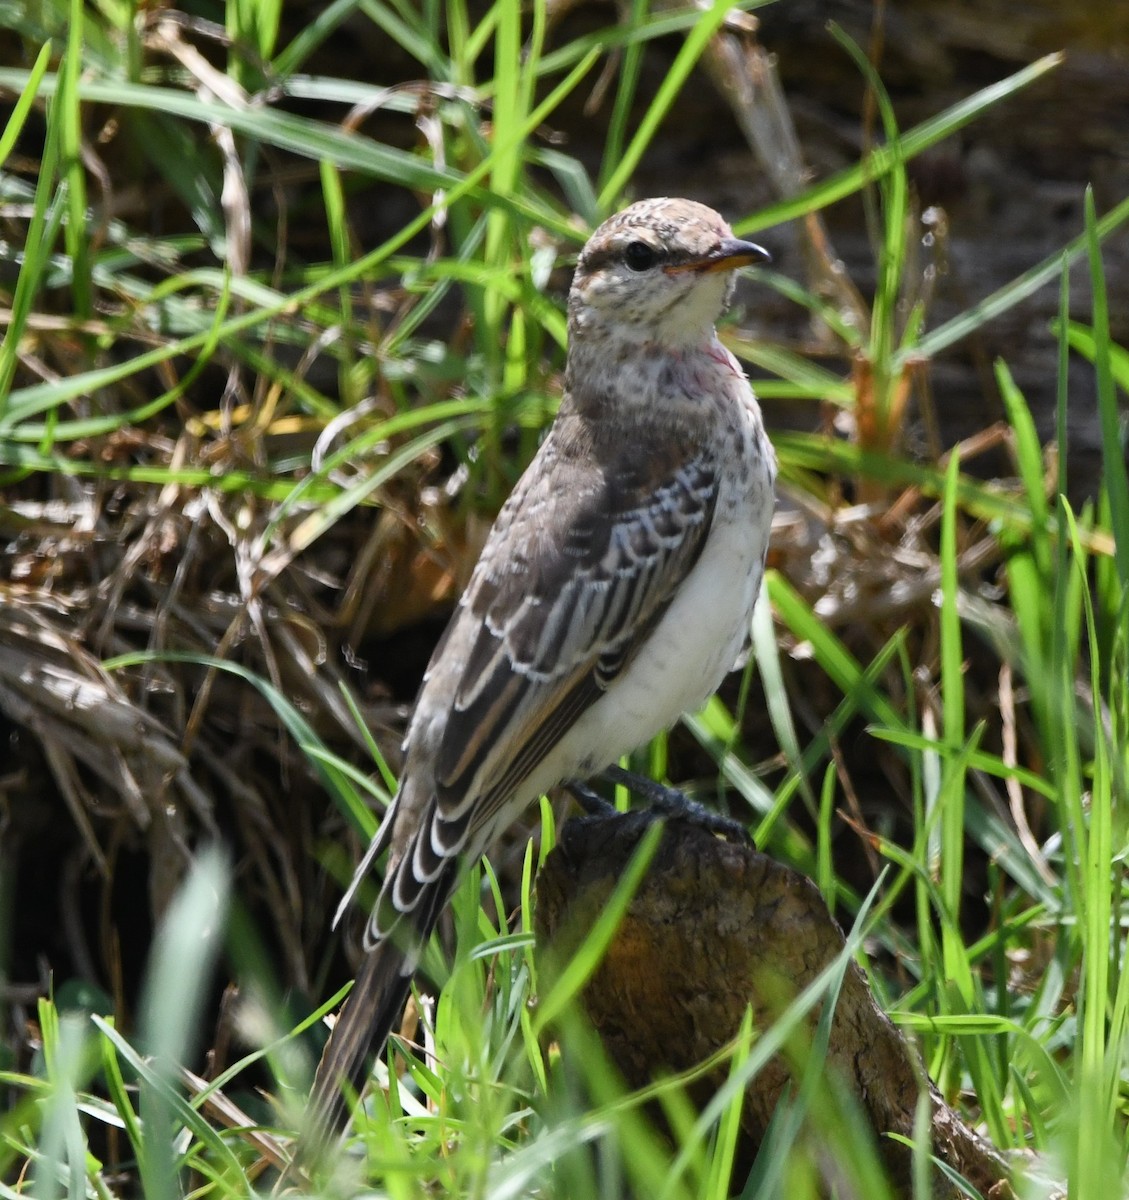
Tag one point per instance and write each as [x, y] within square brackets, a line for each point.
[689, 653]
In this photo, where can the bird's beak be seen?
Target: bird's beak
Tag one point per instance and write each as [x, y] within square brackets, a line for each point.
[728, 255]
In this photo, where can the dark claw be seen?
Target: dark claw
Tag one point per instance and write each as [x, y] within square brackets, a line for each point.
[593, 805]
[670, 802]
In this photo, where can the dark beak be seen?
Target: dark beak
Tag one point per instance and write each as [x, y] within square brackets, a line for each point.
[728, 255]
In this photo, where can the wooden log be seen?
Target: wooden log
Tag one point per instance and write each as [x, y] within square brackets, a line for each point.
[716, 927]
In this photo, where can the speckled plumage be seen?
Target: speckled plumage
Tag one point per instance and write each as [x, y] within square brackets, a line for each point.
[614, 591]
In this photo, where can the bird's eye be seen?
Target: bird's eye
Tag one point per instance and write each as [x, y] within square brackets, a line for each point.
[639, 256]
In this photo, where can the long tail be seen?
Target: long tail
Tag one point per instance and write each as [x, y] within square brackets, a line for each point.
[362, 1029]
[364, 1025]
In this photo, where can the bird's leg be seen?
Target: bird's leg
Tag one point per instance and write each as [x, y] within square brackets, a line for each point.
[593, 805]
[673, 803]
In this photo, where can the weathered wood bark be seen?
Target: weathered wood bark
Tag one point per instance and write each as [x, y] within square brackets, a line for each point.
[716, 927]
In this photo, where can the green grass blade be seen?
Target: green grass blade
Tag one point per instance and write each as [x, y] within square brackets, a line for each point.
[578, 970]
[706, 25]
[73, 170]
[1115, 476]
[60, 1165]
[883, 159]
[24, 104]
[184, 953]
[1036, 277]
[48, 208]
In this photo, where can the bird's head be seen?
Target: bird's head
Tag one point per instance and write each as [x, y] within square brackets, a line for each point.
[659, 271]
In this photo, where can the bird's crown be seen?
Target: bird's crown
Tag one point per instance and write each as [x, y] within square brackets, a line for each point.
[659, 271]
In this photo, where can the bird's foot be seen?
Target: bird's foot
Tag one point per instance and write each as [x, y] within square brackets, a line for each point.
[593, 804]
[667, 801]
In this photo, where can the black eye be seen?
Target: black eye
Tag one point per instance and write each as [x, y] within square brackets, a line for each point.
[639, 256]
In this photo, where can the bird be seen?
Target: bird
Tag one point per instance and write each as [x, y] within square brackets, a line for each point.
[613, 593]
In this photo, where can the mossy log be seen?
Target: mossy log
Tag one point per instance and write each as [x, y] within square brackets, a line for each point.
[716, 927]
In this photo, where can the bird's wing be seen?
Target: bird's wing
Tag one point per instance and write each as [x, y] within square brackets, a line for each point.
[582, 562]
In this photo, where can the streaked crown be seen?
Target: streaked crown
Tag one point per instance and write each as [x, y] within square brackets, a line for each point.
[660, 270]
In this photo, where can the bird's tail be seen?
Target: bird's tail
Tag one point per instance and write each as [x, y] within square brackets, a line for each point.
[360, 1033]
[364, 1025]
[362, 1029]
